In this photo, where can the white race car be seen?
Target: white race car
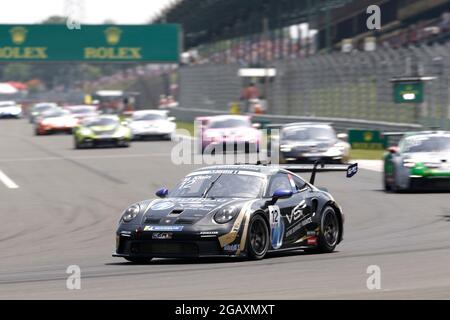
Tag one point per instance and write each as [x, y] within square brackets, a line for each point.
[10, 109]
[152, 123]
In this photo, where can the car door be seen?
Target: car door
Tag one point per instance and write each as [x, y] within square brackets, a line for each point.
[287, 215]
[300, 216]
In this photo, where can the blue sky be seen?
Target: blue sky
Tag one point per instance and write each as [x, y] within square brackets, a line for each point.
[94, 11]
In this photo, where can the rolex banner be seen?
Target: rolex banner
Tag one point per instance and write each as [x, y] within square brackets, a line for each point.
[149, 43]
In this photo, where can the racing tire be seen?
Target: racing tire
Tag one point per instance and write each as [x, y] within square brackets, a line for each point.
[258, 238]
[329, 232]
[394, 187]
[78, 145]
[386, 185]
[138, 260]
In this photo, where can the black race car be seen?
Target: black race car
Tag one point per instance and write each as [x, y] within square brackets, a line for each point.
[237, 211]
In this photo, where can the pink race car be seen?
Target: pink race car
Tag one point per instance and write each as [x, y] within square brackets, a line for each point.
[229, 133]
[82, 112]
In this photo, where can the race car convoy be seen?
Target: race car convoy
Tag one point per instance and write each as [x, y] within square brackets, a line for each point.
[240, 210]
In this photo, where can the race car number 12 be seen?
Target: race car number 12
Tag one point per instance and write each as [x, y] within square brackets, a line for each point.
[276, 227]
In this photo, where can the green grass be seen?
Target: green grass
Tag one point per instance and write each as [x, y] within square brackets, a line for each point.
[189, 126]
[366, 154]
[354, 153]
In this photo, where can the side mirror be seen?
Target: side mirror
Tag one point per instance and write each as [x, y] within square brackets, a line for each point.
[162, 193]
[342, 136]
[171, 118]
[281, 194]
[393, 150]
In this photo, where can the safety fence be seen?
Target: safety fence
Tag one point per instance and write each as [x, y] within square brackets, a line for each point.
[339, 85]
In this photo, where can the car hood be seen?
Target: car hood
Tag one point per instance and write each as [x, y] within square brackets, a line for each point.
[104, 128]
[85, 115]
[430, 157]
[9, 108]
[153, 123]
[56, 121]
[309, 143]
[233, 132]
[183, 210]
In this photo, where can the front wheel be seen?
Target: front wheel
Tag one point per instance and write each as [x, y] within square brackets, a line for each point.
[258, 238]
[78, 145]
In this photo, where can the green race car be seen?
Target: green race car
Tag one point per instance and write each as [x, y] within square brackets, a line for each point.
[102, 131]
[421, 161]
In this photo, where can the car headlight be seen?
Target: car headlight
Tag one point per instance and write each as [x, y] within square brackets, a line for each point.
[286, 148]
[225, 215]
[131, 213]
[340, 146]
[121, 132]
[85, 132]
[409, 164]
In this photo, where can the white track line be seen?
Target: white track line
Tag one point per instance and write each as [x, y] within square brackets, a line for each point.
[7, 181]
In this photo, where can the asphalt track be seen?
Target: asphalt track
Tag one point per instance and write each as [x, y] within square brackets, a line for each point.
[67, 203]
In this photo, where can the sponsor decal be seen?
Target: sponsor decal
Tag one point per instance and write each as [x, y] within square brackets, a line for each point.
[162, 235]
[296, 213]
[163, 205]
[163, 228]
[209, 232]
[18, 35]
[232, 247]
[298, 226]
[113, 35]
[312, 241]
[276, 227]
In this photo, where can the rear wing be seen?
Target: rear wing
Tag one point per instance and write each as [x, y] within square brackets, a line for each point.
[318, 166]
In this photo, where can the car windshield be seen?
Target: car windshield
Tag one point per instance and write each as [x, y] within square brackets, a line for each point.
[149, 117]
[224, 185]
[82, 110]
[100, 122]
[43, 108]
[7, 104]
[426, 144]
[308, 133]
[229, 123]
[55, 114]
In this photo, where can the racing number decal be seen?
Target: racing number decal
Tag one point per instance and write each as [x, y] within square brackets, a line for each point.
[276, 227]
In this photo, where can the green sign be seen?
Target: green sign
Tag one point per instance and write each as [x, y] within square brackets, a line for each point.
[106, 43]
[408, 92]
[367, 139]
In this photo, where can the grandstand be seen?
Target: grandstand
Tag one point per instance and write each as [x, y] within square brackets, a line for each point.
[403, 21]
